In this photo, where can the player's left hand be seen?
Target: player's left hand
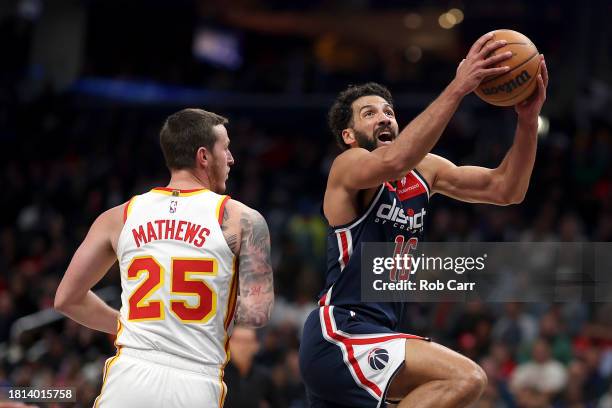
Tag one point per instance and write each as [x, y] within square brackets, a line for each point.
[531, 106]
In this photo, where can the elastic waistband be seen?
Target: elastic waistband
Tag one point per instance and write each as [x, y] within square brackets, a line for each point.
[181, 363]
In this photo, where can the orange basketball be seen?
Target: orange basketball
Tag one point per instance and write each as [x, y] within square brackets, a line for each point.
[519, 82]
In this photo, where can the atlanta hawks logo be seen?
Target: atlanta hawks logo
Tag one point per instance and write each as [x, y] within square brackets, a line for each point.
[378, 358]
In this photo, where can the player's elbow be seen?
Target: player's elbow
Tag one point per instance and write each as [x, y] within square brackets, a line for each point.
[518, 198]
[62, 300]
[258, 322]
[504, 200]
[395, 167]
[60, 303]
[256, 315]
[262, 319]
[505, 192]
[255, 321]
[512, 197]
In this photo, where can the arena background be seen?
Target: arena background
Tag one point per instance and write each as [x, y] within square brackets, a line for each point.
[85, 86]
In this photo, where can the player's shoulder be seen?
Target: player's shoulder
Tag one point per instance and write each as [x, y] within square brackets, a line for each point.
[114, 214]
[118, 213]
[349, 155]
[111, 221]
[239, 211]
[431, 159]
[431, 166]
[344, 162]
[242, 222]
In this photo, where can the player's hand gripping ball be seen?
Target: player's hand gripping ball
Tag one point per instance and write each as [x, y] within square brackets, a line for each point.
[519, 82]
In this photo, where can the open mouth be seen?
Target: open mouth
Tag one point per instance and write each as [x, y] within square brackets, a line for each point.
[385, 137]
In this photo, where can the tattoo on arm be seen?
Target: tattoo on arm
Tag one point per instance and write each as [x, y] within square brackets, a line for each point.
[255, 271]
[230, 237]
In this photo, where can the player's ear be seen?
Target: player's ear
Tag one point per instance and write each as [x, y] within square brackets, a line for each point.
[348, 136]
[202, 157]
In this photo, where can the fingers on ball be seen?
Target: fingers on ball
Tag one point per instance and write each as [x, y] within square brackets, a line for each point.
[480, 43]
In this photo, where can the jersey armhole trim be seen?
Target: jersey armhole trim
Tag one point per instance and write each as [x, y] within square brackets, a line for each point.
[233, 295]
[348, 226]
[127, 209]
[422, 180]
[221, 208]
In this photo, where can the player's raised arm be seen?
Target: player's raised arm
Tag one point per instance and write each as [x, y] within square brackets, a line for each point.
[507, 183]
[372, 125]
[247, 235]
[89, 264]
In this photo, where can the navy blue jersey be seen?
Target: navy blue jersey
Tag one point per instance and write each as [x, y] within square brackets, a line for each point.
[396, 214]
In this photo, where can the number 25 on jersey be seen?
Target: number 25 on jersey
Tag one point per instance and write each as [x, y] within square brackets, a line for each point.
[182, 269]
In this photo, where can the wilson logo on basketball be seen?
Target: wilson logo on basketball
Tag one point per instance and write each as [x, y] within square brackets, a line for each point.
[378, 358]
[509, 86]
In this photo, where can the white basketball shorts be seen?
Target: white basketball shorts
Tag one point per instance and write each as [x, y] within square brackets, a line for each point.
[149, 379]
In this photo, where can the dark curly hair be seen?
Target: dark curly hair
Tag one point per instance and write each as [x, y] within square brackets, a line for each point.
[340, 115]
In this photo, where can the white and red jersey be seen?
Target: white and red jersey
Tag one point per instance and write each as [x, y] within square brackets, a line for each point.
[178, 276]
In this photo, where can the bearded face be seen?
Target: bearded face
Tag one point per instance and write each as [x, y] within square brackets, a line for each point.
[374, 123]
[220, 161]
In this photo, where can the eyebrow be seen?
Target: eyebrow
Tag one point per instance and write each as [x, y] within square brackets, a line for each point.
[385, 105]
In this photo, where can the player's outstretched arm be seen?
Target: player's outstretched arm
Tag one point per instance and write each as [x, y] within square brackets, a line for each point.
[256, 282]
[359, 169]
[507, 183]
[89, 264]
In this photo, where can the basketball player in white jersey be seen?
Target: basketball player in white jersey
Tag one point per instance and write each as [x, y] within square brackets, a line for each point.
[179, 248]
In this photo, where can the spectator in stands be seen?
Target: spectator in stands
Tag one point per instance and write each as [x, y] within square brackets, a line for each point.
[496, 394]
[551, 329]
[539, 380]
[606, 400]
[515, 327]
[249, 384]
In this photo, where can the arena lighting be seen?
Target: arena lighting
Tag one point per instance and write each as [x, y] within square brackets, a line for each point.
[451, 18]
[413, 20]
[457, 14]
[543, 126]
[446, 21]
[30, 9]
[413, 53]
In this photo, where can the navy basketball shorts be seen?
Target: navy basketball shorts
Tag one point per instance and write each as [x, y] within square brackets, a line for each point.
[347, 361]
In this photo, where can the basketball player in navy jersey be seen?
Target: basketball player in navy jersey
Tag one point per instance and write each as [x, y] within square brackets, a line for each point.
[352, 354]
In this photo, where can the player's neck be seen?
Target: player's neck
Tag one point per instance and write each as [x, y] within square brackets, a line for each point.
[188, 180]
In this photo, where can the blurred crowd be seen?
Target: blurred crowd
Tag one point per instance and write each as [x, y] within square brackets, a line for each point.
[65, 159]
[63, 165]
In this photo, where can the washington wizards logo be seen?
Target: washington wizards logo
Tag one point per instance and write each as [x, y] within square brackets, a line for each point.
[378, 358]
